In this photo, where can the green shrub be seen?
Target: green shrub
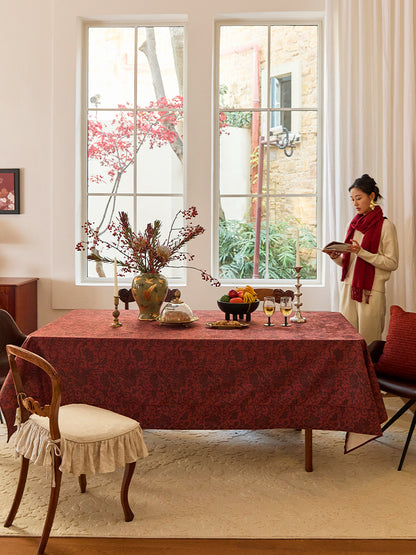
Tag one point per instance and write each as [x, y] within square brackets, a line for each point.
[236, 250]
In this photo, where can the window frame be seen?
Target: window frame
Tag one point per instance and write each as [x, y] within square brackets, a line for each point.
[314, 20]
[82, 194]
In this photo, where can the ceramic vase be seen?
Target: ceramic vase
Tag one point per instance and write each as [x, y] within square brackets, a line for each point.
[149, 292]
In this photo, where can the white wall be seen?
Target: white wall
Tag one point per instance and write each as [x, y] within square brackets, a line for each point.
[39, 64]
[26, 38]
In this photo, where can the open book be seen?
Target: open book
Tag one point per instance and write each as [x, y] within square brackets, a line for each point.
[336, 246]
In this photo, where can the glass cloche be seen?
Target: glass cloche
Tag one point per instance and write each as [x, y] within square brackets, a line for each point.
[177, 312]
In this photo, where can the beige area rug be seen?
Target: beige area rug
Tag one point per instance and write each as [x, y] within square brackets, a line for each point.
[233, 484]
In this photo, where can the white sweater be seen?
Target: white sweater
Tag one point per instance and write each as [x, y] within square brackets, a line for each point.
[385, 260]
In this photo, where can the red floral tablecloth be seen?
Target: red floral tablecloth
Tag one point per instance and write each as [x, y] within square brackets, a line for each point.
[314, 375]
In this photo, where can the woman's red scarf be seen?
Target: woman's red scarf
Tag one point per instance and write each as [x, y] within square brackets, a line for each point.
[370, 225]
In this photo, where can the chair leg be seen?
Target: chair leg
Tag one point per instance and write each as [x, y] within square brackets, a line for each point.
[398, 414]
[409, 437]
[24, 467]
[53, 502]
[82, 479]
[128, 474]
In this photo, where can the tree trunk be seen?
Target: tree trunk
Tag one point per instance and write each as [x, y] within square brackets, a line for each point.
[176, 38]
[98, 264]
[149, 50]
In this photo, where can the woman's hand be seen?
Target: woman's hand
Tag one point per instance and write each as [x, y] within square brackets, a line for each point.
[354, 247]
[332, 254]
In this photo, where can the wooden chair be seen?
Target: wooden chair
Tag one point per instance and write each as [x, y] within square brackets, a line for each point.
[395, 385]
[72, 438]
[126, 296]
[9, 333]
[276, 293]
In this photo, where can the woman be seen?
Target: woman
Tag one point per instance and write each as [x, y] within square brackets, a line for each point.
[371, 257]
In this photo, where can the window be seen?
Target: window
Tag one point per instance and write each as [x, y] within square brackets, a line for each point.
[267, 150]
[134, 124]
[281, 97]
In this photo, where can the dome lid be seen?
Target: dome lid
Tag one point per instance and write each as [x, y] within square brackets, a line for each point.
[176, 311]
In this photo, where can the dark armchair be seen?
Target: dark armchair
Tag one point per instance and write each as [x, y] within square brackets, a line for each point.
[9, 334]
[394, 362]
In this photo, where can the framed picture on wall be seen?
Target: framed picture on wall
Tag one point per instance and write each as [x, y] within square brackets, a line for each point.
[9, 191]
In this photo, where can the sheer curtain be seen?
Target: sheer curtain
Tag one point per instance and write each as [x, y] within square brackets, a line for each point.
[370, 122]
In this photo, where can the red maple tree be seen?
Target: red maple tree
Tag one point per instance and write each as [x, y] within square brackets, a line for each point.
[113, 144]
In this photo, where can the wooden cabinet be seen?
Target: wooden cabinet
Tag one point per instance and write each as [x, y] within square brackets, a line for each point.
[19, 296]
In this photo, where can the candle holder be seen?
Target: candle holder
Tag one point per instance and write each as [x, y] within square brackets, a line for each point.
[298, 318]
[116, 314]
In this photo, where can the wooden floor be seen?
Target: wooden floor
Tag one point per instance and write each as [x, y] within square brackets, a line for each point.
[106, 546]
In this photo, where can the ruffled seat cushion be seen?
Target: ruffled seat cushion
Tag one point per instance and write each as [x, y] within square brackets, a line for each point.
[93, 440]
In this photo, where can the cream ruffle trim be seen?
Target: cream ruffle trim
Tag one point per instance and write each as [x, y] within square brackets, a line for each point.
[33, 442]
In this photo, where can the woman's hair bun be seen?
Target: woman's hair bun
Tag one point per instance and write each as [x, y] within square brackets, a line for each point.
[367, 184]
[368, 180]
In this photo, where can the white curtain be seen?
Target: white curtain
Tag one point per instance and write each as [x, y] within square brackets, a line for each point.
[370, 122]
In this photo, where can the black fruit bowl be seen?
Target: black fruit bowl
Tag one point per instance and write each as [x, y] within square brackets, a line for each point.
[238, 310]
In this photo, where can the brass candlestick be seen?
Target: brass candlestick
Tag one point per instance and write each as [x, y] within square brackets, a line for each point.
[298, 318]
[116, 314]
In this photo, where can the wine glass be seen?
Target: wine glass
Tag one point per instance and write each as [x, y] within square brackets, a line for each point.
[269, 306]
[286, 307]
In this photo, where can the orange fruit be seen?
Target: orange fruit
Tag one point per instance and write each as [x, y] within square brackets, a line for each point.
[236, 300]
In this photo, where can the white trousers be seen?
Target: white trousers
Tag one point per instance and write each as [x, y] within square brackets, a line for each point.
[367, 319]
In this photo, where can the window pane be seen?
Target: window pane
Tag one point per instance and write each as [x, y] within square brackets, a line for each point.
[285, 216]
[110, 75]
[160, 152]
[243, 50]
[237, 239]
[236, 145]
[101, 211]
[295, 173]
[294, 54]
[110, 152]
[150, 209]
[159, 64]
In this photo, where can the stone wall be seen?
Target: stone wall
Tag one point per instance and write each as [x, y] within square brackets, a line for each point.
[293, 50]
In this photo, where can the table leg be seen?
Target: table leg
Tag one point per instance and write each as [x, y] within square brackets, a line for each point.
[308, 450]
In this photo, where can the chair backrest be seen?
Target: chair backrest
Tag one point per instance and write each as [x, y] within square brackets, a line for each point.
[126, 296]
[9, 334]
[375, 348]
[276, 293]
[27, 404]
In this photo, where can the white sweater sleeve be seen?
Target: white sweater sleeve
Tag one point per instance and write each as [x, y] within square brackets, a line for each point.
[387, 256]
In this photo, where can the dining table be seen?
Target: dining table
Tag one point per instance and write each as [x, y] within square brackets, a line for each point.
[315, 375]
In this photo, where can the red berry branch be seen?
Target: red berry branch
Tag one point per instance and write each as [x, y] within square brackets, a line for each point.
[145, 252]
